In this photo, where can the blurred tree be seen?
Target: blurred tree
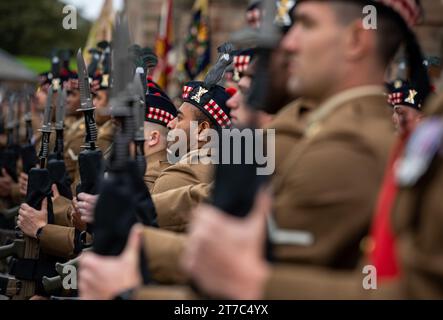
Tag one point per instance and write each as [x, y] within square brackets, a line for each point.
[36, 27]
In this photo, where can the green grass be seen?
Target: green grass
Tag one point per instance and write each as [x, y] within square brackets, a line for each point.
[40, 64]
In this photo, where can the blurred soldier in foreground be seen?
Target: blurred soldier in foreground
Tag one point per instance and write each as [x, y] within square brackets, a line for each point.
[353, 119]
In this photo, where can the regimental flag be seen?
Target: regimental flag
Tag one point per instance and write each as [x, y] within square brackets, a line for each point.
[101, 29]
[163, 45]
[197, 45]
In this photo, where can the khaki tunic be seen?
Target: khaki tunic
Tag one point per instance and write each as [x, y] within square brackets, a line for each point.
[289, 125]
[163, 248]
[74, 140]
[417, 225]
[174, 206]
[327, 190]
[173, 212]
[105, 136]
[188, 171]
[58, 239]
[418, 222]
[70, 120]
[155, 165]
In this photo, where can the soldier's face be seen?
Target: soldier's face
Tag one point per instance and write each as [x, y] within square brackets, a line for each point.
[406, 119]
[73, 102]
[181, 125]
[241, 114]
[100, 103]
[314, 48]
[41, 97]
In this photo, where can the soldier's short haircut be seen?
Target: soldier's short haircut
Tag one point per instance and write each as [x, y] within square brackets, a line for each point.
[390, 30]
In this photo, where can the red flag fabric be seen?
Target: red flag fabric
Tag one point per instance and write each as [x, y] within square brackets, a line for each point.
[383, 254]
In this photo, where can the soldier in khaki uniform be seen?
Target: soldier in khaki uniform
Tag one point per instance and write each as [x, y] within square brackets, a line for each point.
[324, 205]
[75, 133]
[160, 111]
[204, 107]
[62, 238]
[164, 248]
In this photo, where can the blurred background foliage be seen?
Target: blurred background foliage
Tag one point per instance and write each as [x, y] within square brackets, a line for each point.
[30, 30]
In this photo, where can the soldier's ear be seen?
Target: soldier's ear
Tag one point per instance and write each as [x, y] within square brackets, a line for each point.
[154, 138]
[359, 41]
[203, 131]
[204, 125]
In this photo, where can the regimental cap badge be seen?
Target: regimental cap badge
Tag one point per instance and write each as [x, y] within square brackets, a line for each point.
[105, 81]
[411, 98]
[56, 84]
[283, 17]
[201, 92]
[403, 93]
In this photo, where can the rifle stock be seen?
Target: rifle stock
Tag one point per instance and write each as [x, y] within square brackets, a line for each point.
[52, 284]
[56, 283]
[15, 249]
[29, 157]
[11, 213]
[9, 286]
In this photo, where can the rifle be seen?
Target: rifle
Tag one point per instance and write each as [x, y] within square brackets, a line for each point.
[9, 286]
[106, 57]
[56, 164]
[10, 154]
[2, 117]
[143, 60]
[96, 57]
[11, 213]
[146, 212]
[267, 40]
[55, 283]
[236, 195]
[65, 56]
[237, 185]
[29, 265]
[116, 209]
[28, 152]
[55, 70]
[90, 159]
[17, 111]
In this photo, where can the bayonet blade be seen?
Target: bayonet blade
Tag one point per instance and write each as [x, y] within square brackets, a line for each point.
[48, 112]
[139, 109]
[60, 110]
[83, 81]
[28, 114]
[121, 70]
[10, 117]
[121, 63]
